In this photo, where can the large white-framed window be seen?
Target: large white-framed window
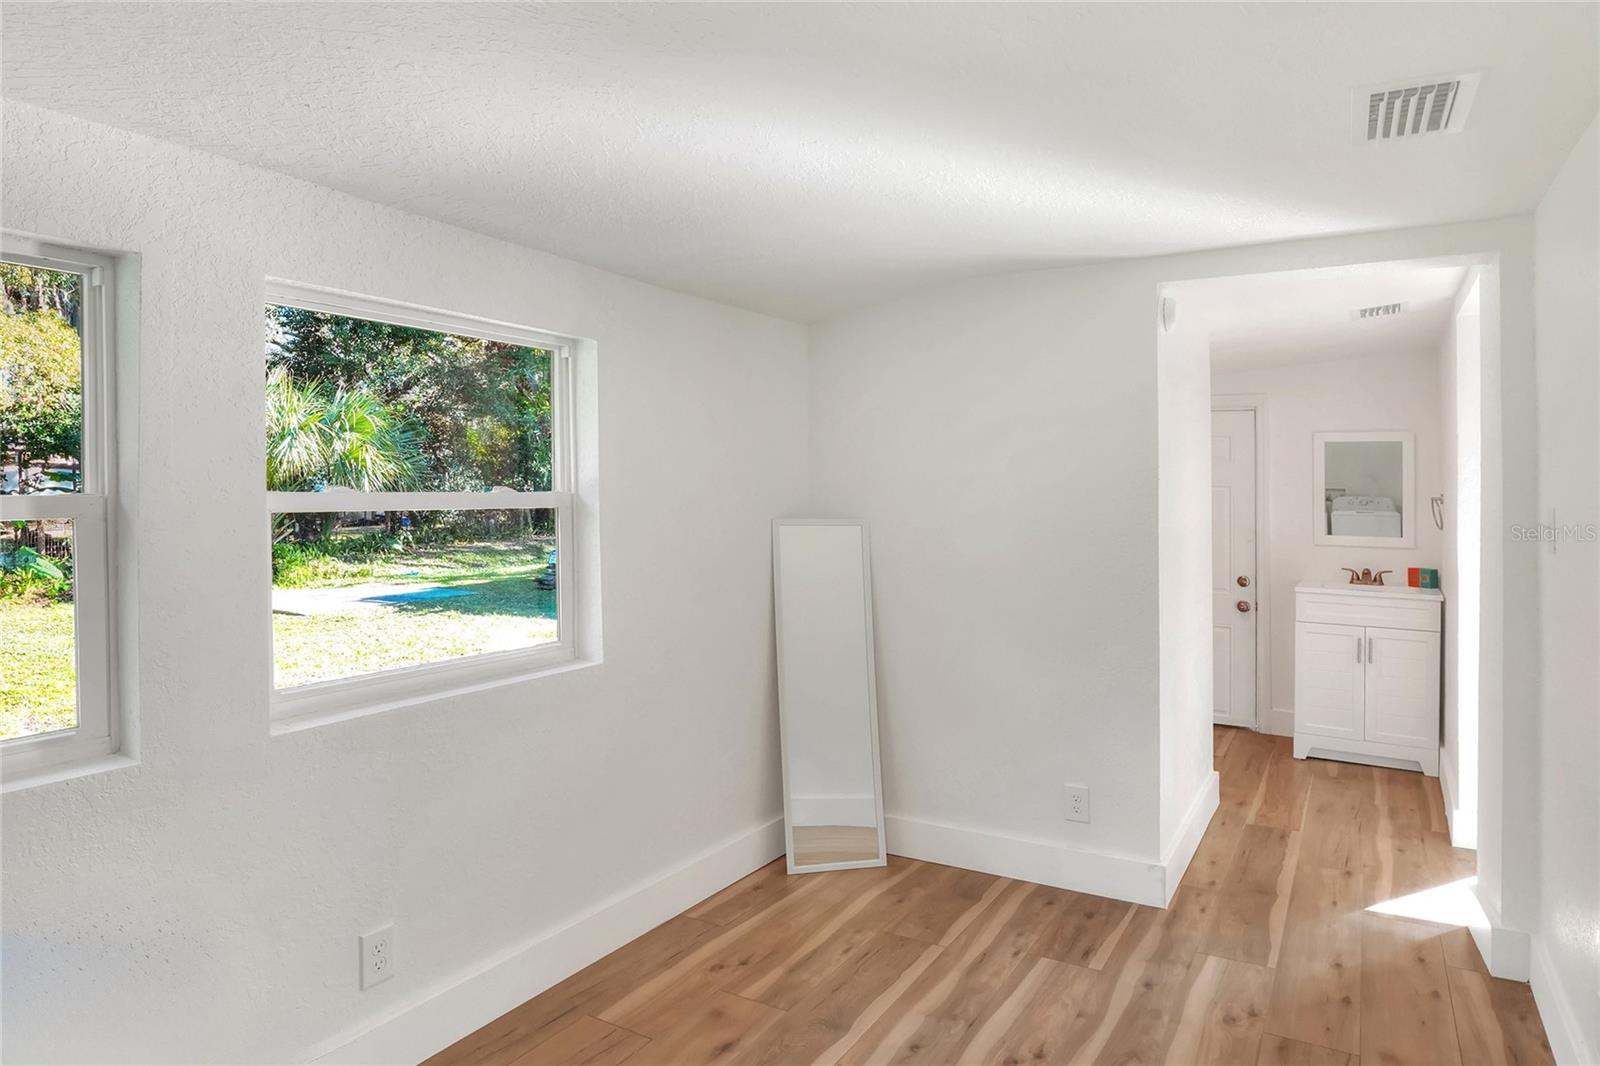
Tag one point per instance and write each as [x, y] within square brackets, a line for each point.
[420, 501]
[57, 484]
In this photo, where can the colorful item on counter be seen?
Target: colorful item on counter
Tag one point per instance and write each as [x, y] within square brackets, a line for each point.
[1422, 577]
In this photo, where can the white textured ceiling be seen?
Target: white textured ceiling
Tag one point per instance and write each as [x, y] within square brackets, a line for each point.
[1305, 316]
[806, 159]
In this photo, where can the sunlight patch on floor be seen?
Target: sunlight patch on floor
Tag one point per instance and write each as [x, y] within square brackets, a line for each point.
[1455, 903]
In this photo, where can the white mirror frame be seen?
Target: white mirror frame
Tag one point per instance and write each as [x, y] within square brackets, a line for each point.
[1408, 492]
[882, 857]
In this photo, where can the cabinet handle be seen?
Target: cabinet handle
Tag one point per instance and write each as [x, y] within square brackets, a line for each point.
[1358, 649]
[1369, 649]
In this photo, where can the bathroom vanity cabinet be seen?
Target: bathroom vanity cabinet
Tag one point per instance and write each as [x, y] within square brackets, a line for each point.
[1367, 666]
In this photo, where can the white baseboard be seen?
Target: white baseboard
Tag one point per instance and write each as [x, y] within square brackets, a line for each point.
[1560, 1017]
[1506, 951]
[1279, 722]
[1043, 862]
[442, 1013]
[1463, 823]
[1046, 862]
[1186, 840]
[834, 810]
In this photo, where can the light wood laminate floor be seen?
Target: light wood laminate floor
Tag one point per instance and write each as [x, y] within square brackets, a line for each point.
[1268, 954]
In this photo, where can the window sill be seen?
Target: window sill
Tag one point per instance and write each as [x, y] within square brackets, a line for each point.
[18, 780]
[314, 706]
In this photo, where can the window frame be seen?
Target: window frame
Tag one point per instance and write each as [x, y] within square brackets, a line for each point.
[300, 706]
[92, 513]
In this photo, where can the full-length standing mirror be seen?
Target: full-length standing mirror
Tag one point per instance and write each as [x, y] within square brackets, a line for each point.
[827, 695]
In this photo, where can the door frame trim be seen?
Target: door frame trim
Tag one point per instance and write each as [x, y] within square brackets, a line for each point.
[1256, 403]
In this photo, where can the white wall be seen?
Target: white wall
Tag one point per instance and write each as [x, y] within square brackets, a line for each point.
[204, 906]
[1002, 437]
[1010, 483]
[1396, 390]
[1567, 281]
[1460, 577]
[1186, 637]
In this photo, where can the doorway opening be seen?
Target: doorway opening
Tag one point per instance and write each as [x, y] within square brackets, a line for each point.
[1350, 432]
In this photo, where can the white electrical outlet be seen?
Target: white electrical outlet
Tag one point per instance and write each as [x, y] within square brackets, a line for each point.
[377, 956]
[1077, 803]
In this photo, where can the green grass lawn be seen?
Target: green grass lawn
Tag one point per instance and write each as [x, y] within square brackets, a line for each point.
[38, 674]
[505, 610]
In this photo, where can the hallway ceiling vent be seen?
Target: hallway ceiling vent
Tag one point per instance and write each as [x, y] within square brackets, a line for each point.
[1413, 109]
[1378, 311]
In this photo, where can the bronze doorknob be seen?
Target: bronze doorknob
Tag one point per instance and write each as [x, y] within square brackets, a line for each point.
[1243, 581]
[1243, 606]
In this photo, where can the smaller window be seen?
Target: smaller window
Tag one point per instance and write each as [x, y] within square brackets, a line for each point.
[419, 479]
[56, 703]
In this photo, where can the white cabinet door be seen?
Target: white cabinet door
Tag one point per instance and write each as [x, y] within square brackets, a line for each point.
[1329, 688]
[1402, 687]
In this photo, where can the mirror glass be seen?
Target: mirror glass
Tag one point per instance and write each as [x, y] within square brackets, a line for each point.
[826, 696]
[1365, 488]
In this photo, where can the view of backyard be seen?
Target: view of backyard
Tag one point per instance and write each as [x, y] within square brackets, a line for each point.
[354, 602]
[41, 431]
[352, 404]
[38, 678]
[373, 407]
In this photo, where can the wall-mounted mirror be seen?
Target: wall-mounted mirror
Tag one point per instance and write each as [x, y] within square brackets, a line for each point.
[1365, 492]
[827, 694]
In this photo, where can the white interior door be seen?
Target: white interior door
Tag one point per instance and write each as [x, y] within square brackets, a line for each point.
[1233, 566]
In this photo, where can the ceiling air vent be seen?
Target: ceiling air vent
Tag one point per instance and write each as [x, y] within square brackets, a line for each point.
[1413, 109]
[1378, 311]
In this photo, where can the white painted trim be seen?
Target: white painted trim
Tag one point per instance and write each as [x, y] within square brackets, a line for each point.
[834, 810]
[1186, 841]
[81, 764]
[1463, 823]
[1506, 952]
[100, 727]
[1560, 1017]
[1043, 862]
[334, 500]
[340, 699]
[328, 702]
[282, 292]
[441, 1013]
[1257, 403]
[1280, 723]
